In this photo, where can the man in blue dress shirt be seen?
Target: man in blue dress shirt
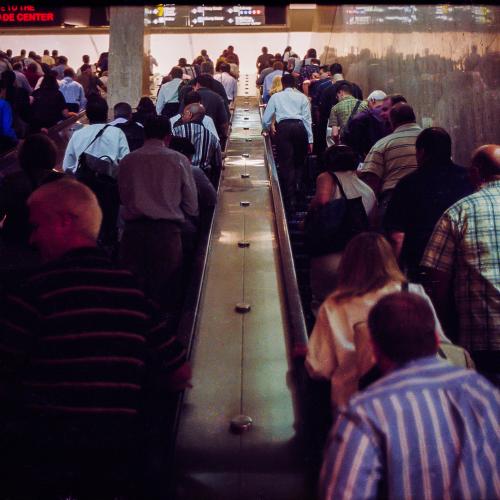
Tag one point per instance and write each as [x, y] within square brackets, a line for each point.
[425, 430]
[292, 112]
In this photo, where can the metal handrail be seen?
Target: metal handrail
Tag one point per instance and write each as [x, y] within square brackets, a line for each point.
[52, 130]
[295, 311]
[66, 123]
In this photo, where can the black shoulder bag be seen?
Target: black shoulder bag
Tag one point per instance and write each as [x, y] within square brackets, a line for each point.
[90, 166]
[330, 227]
[344, 132]
[100, 175]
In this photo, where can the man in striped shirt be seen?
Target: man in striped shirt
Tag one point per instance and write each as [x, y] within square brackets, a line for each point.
[208, 154]
[78, 339]
[392, 157]
[425, 430]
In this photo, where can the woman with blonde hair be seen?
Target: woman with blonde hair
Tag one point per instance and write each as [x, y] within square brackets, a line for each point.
[276, 86]
[368, 270]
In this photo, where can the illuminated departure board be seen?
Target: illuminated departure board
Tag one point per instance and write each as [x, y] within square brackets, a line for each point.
[415, 17]
[194, 16]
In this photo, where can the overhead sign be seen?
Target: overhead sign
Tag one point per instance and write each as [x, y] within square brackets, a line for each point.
[406, 17]
[27, 15]
[204, 15]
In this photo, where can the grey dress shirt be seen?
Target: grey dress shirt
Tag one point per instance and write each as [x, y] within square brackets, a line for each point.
[157, 182]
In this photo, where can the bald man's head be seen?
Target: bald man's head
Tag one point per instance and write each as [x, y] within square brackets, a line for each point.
[194, 112]
[486, 161]
[65, 215]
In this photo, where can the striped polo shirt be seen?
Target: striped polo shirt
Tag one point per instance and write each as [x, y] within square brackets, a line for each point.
[427, 430]
[79, 336]
[394, 156]
[207, 146]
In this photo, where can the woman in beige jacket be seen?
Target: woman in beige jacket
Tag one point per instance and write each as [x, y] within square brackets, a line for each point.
[338, 348]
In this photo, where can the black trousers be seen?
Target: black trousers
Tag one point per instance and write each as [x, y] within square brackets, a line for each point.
[292, 143]
[152, 250]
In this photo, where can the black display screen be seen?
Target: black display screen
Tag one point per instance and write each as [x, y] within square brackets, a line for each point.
[195, 16]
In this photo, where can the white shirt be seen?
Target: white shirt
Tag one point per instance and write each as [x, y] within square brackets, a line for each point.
[353, 187]
[229, 83]
[112, 143]
[207, 122]
[169, 92]
[286, 105]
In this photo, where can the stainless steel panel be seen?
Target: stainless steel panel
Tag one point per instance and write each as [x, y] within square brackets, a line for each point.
[240, 361]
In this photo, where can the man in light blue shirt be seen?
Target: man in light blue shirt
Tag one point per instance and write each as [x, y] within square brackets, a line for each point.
[167, 102]
[73, 92]
[292, 112]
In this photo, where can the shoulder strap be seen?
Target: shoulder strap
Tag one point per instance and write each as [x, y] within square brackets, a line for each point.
[353, 112]
[339, 184]
[99, 134]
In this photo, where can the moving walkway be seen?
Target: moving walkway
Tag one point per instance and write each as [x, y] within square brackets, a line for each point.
[240, 429]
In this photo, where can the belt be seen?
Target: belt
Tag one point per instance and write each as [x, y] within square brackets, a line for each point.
[148, 220]
[290, 120]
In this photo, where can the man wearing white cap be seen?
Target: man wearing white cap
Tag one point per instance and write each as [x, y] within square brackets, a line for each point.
[367, 127]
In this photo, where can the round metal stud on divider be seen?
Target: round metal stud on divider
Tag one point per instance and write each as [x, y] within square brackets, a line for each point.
[240, 424]
[248, 140]
[244, 203]
[242, 307]
[246, 128]
[245, 155]
[243, 244]
[245, 176]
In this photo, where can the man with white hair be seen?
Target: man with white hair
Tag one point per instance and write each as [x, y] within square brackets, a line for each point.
[76, 339]
[367, 127]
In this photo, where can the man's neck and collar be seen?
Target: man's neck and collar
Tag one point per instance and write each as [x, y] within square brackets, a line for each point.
[337, 77]
[493, 182]
[154, 143]
[118, 120]
[405, 126]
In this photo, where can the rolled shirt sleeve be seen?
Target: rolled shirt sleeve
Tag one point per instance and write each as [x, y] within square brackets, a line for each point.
[440, 251]
[374, 162]
[267, 119]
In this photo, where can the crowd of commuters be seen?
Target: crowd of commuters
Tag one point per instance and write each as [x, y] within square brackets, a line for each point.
[94, 258]
[388, 301]
[96, 254]
[39, 91]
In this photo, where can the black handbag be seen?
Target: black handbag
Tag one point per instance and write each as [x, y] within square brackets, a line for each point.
[89, 166]
[100, 175]
[330, 227]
